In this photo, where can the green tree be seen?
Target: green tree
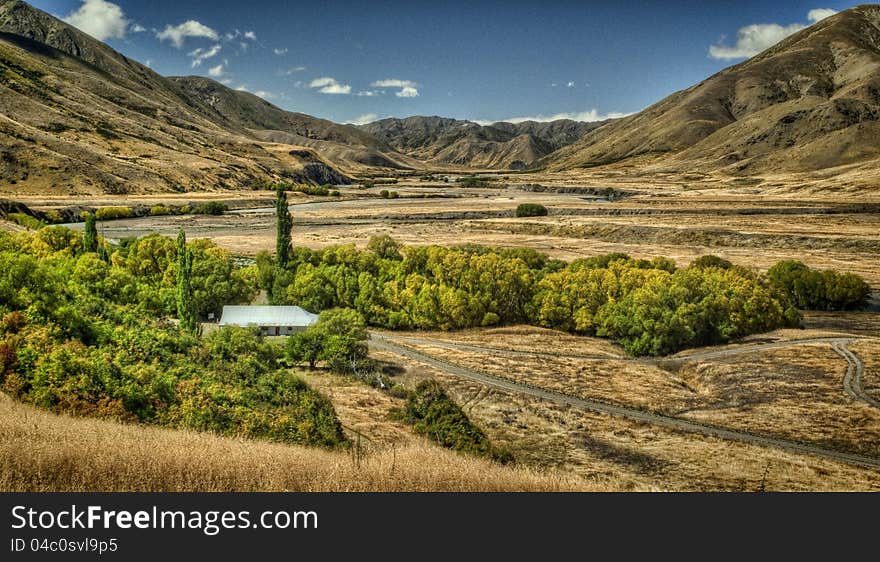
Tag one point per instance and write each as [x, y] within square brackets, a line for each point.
[283, 244]
[338, 338]
[385, 247]
[90, 236]
[186, 312]
[710, 260]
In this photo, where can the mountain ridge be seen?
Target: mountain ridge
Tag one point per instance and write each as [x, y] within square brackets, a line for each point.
[810, 102]
[443, 140]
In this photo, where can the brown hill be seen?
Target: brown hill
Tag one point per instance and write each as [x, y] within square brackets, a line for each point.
[344, 144]
[810, 102]
[440, 140]
[76, 116]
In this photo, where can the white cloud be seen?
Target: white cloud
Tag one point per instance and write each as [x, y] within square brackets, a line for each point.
[191, 28]
[264, 94]
[100, 19]
[137, 28]
[369, 93]
[755, 38]
[570, 85]
[250, 35]
[407, 92]
[327, 85]
[585, 116]
[819, 14]
[363, 119]
[280, 52]
[201, 54]
[393, 83]
[216, 71]
[407, 87]
[148, 63]
[291, 71]
[226, 81]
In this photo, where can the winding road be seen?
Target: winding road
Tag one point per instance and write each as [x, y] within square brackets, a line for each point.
[852, 380]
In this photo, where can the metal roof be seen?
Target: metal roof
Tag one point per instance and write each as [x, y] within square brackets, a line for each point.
[266, 316]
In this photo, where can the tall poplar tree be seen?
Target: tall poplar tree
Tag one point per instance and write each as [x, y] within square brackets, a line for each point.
[90, 236]
[283, 244]
[185, 310]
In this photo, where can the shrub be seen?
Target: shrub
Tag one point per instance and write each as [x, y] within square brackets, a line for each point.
[210, 208]
[159, 210]
[531, 210]
[26, 221]
[473, 181]
[109, 213]
[384, 194]
[53, 217]
[490, 319]
[434, 414]
[312, 189]
[709, 260]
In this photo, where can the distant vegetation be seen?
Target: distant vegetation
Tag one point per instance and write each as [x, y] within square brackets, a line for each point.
[385, 194]
[368, 183]
[109, 213]
[531, 210]
[812, 289]
[26, 221]
[308, 189]
[473, 181]
[82, 335]
[650, 307]
[210, 208]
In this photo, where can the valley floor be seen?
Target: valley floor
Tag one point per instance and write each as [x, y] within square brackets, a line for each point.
[788, 385]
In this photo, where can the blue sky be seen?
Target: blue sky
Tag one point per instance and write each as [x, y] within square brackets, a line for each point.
[488, 61]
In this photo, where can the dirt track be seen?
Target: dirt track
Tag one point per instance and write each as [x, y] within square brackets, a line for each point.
[852, 380]
[385, 342]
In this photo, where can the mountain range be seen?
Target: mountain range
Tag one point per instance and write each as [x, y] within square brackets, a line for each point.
[439, 140]
[78, 117]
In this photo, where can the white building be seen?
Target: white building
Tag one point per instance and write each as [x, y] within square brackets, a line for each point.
[272, 320]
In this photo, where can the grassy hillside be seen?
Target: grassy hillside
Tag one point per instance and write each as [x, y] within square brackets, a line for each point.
[808, 103]
[41, 451]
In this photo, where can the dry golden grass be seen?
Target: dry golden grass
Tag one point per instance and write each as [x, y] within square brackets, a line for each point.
[861, 323]
[362, 409]
[795, 393]
[868, 351]
[522, 339]
[633, 455]
[609, 380]
[41, 451]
